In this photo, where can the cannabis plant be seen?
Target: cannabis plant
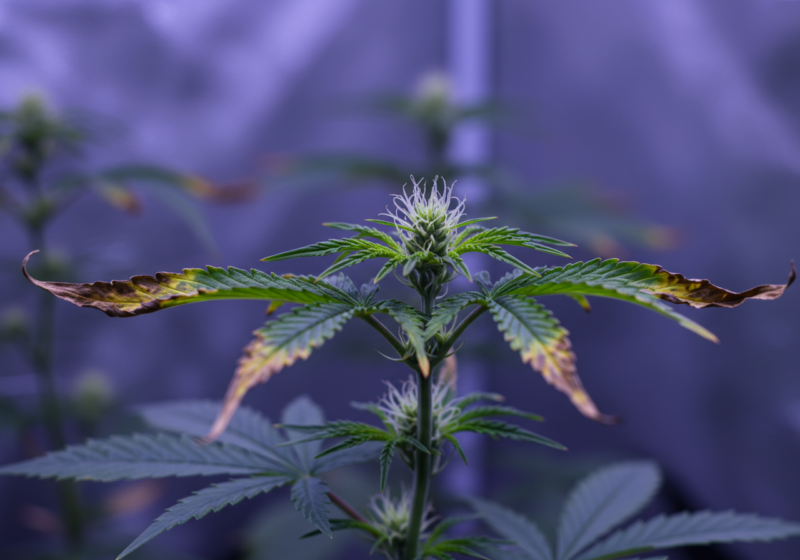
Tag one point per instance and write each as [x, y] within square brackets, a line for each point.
[420, 421]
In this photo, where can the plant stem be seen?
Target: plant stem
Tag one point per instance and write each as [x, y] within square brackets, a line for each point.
[345, 507]
[457, 332]
[422, 461]
[42, 361]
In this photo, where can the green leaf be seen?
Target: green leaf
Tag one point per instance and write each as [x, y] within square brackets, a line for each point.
[331, 246]
[201, 503]
[347, 262]
[392, 224]
[142, 456]
[459, 265]
[310, 497]
[482, 411]
[688, 529]
[366, 231]
[498, 254]
[280, 343]
[497, 429]
[390, 265]
[543, 343]
[448, 309]
[457, 447]
[412, 324]
[602, 501]
[387, 454]
[146, 294]
[475, 221]
[466, 400]
[514, 527]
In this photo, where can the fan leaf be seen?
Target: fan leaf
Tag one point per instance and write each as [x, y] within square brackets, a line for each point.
[688, 529]
[279, 344]
[412, 324]
[515, 527]
[310, 497]
[201, 503]
[142, 456]
[146, 294]
[643, 284]
[543, 343]
[602, 501]
[448, 309]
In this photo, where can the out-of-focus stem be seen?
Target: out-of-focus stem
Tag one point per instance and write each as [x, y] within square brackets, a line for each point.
[345, 507]
[42, 361]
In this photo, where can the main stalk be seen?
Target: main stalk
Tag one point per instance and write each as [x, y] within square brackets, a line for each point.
[422, 461]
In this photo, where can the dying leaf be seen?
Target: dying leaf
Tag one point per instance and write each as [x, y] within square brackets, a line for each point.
[543, 343]
[277, 345]
[146, 294]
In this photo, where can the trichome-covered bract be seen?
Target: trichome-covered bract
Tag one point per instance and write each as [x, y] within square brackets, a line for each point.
[426, 243]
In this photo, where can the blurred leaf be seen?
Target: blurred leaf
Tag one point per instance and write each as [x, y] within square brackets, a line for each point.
[310, 496]
[685, 529]
[515, 527]
[602, 501]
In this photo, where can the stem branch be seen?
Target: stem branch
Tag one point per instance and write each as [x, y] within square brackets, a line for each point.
[346, 508]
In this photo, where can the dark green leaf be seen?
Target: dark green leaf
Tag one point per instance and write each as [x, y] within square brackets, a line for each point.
[482, 411]
[497, 429]
[387, 454]
[310, 497]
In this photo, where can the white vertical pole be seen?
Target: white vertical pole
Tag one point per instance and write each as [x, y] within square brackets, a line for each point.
[469, 57]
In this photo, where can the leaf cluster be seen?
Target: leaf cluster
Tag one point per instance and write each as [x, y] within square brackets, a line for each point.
[608, 498]
[251, 450]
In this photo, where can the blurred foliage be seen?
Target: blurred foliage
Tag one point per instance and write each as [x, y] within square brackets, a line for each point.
[578, 210]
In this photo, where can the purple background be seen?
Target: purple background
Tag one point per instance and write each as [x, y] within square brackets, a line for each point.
[689, 110]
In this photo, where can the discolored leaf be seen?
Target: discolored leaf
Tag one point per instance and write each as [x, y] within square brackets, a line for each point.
[279, 344]
[543, 343]
[146, 294]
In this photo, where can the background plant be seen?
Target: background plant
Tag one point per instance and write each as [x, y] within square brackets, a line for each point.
[429, 239]
[43, 171]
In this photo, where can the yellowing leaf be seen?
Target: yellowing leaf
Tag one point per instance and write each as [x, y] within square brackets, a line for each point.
[279, 344]
[146, 294]
[543, 343]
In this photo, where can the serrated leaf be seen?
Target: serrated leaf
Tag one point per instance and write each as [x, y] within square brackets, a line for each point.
[146, 294]
[331, 246]
[543, 343]
[483, 411]
[466, 400]
[201, 503]
[448, 309]
[515, 527]
[347, 262]
[499, 254]
[280, 344]
[457, 447]
[387, 454]
[366, 231]
[688, 529]
[310, 497]
[248, 429]
[412, 324]
[142, 456]
[390, 265]
[644, 284]
[604, 500]
[497, 429]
